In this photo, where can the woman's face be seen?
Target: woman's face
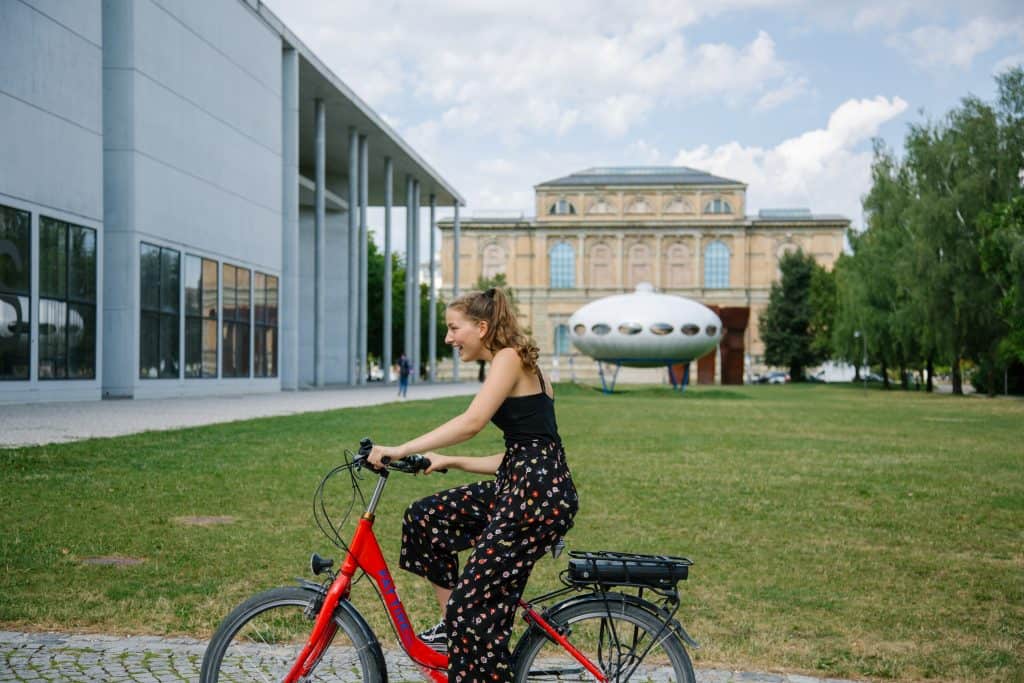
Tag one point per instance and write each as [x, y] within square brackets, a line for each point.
[466, 336]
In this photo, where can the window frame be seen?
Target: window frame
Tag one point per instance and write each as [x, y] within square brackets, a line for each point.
[202, 319]
[562, 270]
[68, 298]
[159, 312]
[26, 294]
[259, 369]
[234, 323]
[717, 266]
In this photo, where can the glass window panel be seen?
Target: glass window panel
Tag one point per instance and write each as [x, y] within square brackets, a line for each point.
[193, 287]
[562, 340]
[149, 346]
[563, 266]
[15, 236]
[259, 298]
[716, 266]
[227, 361]
[242, 350]
[661, 329]
[170, 277]
[149, 268]
[209, 348]
[53, 258]
[601, 329]
[193, 347]
[228, 292]
[81, 341]
[169, 332]
[82, 264]
[270, 349]
[53, 337]
[630, 328]
[259, 356]
[271, 300]
[242, 294]
[14, 339]
[210, 289]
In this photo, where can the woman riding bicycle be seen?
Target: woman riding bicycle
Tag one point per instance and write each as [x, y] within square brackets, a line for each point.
[511, 521]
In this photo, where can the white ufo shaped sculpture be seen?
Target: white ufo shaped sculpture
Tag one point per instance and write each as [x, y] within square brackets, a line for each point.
[644, 329]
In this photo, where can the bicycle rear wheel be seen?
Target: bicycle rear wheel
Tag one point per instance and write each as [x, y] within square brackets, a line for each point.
[626, 642]
[261, 639]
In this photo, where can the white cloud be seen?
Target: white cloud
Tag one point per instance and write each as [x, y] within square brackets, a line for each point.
[1008, 63]
[825, 169]
[937, 46]
[791, 89]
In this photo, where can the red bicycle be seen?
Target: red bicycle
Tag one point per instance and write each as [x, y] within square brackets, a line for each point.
[614, 619]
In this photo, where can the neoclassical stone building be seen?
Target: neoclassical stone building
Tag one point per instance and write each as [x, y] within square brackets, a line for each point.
[602, 231]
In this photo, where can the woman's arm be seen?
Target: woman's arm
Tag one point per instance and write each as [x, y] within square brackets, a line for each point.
[505, 370]
[473, 464]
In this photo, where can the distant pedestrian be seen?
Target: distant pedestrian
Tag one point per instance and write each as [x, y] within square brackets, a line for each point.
[404, 369]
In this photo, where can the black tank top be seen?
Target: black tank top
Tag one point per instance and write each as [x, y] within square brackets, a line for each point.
[528, 418]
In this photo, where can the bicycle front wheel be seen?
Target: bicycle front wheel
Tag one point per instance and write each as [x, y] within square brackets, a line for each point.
[262, 638]
[624, 641]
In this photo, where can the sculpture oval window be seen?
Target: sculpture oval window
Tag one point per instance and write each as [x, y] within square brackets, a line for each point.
[689, 329]
[600, 329]
[631, 328]
[661, 329]
[711, 330]
[580, 329]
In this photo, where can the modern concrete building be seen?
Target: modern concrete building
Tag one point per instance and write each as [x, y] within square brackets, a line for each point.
[602, 231]
[183, 195]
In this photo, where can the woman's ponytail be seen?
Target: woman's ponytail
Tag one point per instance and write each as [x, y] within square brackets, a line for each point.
[503, 331]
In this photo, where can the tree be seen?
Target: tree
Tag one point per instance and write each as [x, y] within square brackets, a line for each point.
[786, 324]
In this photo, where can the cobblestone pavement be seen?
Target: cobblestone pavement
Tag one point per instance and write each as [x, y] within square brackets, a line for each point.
[148, 659]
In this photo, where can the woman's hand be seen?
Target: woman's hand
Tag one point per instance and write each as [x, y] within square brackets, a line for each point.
[380, 452]
[438, 462]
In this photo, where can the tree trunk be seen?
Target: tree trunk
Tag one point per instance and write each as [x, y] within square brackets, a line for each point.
[885, 375]
[931, 372]
[796, 373]
[856, 372]
[904, 381]
[958, 380]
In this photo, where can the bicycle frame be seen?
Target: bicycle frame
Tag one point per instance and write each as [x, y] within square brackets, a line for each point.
[365, 554]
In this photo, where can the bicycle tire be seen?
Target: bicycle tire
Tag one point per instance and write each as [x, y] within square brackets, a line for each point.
[614, 650]
[262, 638]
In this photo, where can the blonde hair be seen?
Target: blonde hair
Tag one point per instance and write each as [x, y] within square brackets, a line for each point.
[503, 331]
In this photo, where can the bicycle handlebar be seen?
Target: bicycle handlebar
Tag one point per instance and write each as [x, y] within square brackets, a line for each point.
[411, 464]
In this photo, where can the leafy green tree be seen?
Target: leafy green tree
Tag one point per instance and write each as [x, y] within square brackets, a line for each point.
[375, 304]
[824, 302]
[785, 325]
[1002, 259]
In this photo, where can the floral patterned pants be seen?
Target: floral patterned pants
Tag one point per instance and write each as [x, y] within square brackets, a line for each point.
[510, 523]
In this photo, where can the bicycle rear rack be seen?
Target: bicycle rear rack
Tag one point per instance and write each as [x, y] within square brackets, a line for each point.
[608, 568]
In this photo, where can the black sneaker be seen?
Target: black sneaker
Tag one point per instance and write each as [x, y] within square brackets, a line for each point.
[436, 637]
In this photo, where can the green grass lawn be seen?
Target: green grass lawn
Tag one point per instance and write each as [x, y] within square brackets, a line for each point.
[835, 531]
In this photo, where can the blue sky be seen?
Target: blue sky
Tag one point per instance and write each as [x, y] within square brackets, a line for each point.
[784, 95]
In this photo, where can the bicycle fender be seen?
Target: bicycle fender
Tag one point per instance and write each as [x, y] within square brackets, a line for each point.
[677, 628]
[349, 609]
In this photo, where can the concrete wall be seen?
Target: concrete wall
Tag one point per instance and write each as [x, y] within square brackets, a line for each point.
[192, 157]
[51, 141]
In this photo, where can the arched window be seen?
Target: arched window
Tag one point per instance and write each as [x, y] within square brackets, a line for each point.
[600, 266]
[563, 266]
[716, 266]
[561, 340]
[678, 262]
[639, 205]
[639, 265]
[563, 207]
[678, 205]
[601, 206]
[718, 205]
[493, 261]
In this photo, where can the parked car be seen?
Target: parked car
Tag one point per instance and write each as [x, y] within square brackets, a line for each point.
[777, 377]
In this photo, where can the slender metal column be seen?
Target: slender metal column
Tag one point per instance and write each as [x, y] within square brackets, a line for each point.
[456, 227]
[288, 351]
[353, 256]
[432, 313]
[364, 182]
[386, 352]
[417, 314]
[408, 268]
[320, 245]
